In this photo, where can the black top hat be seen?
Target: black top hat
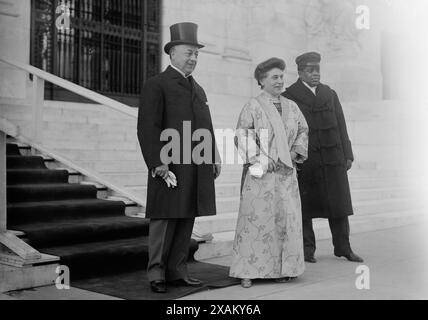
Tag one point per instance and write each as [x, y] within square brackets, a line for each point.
[183, 33]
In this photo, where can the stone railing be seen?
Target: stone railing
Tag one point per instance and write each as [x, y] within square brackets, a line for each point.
[39, 78]
[8, 239]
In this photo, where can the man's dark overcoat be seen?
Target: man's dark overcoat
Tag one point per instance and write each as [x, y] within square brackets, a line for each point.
[168, 100]
[323, 178]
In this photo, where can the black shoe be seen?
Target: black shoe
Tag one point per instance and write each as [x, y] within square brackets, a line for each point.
[284, 279]
[188, 282]
[158, 286]
[352, 257]
[310, 259]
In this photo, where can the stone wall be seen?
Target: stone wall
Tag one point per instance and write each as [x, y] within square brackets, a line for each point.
[239, 34]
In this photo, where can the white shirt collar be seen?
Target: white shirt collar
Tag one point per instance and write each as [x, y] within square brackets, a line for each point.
[313, 89]
[179, 71]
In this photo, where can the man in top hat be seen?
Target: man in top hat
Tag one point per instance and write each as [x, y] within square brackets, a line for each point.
[323, 178]
[174, 100]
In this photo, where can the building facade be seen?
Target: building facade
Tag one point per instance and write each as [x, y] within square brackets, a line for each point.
[113, 46]
[370, 49]
[372, 55]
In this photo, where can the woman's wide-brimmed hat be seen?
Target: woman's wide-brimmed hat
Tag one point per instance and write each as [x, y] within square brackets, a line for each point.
[183, 33]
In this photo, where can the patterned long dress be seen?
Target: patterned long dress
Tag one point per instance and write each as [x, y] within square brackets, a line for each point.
[268, 241]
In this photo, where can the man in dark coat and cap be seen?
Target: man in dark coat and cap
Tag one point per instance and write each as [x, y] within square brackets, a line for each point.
[173, 116]
[323, 178]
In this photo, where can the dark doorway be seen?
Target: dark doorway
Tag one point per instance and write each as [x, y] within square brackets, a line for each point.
[111, 46]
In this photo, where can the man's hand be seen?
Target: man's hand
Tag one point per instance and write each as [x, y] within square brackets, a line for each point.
[348, 164]
[217, 170]
[162, 171]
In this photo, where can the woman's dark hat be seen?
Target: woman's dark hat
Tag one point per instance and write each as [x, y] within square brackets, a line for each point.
[183, 33]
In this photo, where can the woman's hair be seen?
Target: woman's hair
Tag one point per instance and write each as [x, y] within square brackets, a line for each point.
[266, 66]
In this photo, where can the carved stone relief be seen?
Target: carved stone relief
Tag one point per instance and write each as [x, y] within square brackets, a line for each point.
[330, 26]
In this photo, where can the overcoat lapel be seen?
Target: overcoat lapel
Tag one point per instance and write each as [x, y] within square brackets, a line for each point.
[190, 85]
[302, 93]
[197, 91]
[174, 74]
[323, 96]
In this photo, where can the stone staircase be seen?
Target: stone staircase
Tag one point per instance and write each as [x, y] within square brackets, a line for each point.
[381, 199]
[383, 193]
[68, 217]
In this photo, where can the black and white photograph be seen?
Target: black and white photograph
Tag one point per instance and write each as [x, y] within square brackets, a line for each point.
[214, 155]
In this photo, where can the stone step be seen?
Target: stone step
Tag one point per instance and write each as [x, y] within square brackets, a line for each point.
[233, 190]
[356, 168]
[226, 221]
[89, 144]
[109, 141]
[102, 191]
[222, 242]
[139, 179]
[219, 223]
[355, 175]
[41, 274]
[228, 196]
[382, 182]
[128, 179]
[228, 171]
[106, 166]
[388, 205]
[131, 208]
[85, 113]
[81, 154]
[92, 131]
[231, 203]
[226, 203]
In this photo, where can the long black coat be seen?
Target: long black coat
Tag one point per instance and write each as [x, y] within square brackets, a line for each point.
[323, 179]
[168, 100]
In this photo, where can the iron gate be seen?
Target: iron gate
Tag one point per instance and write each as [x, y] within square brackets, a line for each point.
[111, 46]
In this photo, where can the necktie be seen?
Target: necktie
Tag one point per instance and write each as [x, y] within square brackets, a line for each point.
[190, 79]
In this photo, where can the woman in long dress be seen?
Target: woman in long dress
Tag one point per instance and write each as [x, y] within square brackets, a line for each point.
[271, 136]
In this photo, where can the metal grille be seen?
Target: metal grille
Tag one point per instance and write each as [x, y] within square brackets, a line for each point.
[111, 47]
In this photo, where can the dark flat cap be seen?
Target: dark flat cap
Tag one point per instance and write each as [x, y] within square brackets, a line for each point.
[308, 57]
